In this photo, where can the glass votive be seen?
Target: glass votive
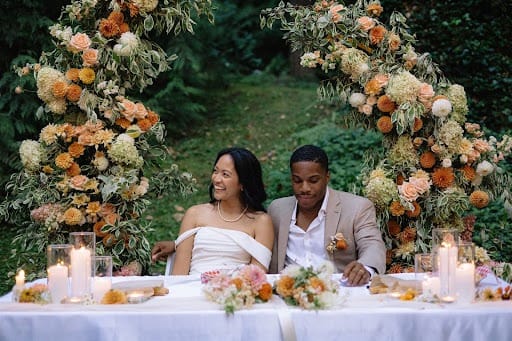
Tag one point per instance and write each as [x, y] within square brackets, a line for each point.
[444, 236]
[59, 260]
[465, 273]
[102, 281]
[422, 268]
[81, 264]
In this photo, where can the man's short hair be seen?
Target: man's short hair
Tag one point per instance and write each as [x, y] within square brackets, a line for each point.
[312, 153]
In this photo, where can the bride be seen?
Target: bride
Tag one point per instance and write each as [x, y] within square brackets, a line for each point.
[233, 228]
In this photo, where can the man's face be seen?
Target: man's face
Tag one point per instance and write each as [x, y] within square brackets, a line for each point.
[309, 182]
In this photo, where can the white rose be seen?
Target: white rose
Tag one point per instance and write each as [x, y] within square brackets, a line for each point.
[447, 163]
[484, 168]
[441, 108]
[125, 138]
[357, 99]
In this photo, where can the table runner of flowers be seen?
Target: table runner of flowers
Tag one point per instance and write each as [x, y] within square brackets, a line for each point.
[436, 164]
[87, 169]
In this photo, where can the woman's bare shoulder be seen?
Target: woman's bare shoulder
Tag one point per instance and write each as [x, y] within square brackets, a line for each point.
[200, 208]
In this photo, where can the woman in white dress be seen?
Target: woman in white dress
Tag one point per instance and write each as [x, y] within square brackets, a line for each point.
[231, 230]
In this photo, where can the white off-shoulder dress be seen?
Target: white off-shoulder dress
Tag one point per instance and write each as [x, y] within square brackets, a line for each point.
[217, 248]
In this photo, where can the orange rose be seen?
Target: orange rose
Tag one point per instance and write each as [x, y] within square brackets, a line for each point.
[79, 42]
[90, 57]
[72, 74]
[59, 89]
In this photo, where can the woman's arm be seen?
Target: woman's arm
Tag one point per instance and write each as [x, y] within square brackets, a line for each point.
[184, 249]
[264, 233]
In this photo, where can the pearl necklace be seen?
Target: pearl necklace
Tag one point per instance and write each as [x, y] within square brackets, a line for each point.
[230, 220]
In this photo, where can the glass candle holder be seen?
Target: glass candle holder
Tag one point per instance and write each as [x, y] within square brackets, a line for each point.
[422, 268]
[445, 253]
[59, 260]
[102, 281]
[465, 273]
[81, 264]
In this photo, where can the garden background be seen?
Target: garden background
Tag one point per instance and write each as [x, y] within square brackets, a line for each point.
[236, 84]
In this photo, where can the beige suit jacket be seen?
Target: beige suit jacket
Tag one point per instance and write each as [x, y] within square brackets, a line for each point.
[352, 215]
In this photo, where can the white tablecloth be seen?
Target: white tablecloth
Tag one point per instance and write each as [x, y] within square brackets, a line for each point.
[184, 314]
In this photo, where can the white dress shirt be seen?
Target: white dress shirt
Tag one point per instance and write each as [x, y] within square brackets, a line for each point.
[307, 248]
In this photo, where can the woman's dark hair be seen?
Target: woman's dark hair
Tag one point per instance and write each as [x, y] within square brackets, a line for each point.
[248, 169]
[312, 153]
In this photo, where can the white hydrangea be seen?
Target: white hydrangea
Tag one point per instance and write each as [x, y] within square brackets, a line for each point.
[31, 154]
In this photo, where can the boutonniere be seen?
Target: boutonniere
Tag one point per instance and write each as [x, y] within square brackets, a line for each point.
[338, 242]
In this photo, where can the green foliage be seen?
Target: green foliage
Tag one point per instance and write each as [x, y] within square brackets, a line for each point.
[346, 149]
[470, 39]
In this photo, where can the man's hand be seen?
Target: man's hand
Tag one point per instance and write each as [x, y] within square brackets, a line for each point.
[161, 250]
[356, 274]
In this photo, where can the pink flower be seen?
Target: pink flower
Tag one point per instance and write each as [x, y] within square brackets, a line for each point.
[79, 42]
[78, 181]
[254, 275]
[408, 191]
[366, 23]
[90, 57]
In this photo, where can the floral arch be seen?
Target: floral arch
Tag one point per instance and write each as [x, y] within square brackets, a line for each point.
[95, 166]
[436, 164]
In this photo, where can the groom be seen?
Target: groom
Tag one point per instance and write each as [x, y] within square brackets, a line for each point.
[319, 223]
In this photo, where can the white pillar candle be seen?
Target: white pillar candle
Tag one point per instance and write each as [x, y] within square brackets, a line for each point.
[58, 282]
[465, 282]
[80, 272]
[100, 286]
[20, 279]
[447, 265]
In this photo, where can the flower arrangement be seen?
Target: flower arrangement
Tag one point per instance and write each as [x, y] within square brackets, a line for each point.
[95, 166]
[37, 293]
[436, 164]
[307, 287]
[239, 289]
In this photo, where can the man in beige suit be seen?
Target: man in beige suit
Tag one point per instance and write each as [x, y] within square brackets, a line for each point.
[319, 223]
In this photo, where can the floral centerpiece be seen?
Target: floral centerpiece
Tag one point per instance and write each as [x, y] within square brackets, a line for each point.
[95, 166]
[236, 290]
[307, 287]
[436, 164]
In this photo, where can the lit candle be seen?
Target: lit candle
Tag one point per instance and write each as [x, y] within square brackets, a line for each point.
[447, 265]
[465, 279]
[20, 279]
[136, 297]
[58, 282]
[99, 287]
[80, 272]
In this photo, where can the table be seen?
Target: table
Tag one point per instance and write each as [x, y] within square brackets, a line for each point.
[184, 314]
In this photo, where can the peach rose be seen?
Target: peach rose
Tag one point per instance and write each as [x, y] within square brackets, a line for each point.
[422, 185]
[394, 41]
[366, 23]
[141, 111]
[408, 191]
[129, 109]
[79, 42]
[90, 57]
[78, 181]
[481, 145]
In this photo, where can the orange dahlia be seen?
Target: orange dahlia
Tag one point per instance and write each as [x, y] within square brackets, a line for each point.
[408, 235]
[123, 28]
[377, 34]
[384, 124]
[59, 89]
[427, 160]
[479, 199]
[372, 87]
[72, 74]
[117, 17]
[74, 93]
[152, 117]
[123, 122]
[374, 9]
[63, 161]
[385, 104]
[284, 286]
[265, 292]
[395, 269]
[396, 209]
[394, 227]
[76, 149]
[108, 28]
[443, 177]
[414, 213]
[468, 172]
[144, 124]
[73, 170]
